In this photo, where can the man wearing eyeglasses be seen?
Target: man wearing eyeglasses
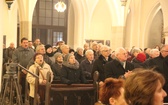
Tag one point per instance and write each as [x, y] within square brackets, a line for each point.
[101, 61]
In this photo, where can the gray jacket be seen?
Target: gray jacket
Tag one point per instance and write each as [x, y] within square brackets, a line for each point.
[22, 56]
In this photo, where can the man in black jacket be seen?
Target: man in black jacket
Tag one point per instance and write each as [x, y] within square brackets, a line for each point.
[119, 67]
[101, 61]
[160, 65]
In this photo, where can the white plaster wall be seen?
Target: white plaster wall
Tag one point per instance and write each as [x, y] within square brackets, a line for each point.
[1, 38]
[155, 31]
[10, 23]
[165, 13]
[96, 20]
[101, 22]
[138, 21]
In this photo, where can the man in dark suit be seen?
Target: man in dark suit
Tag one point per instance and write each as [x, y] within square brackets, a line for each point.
[119, 67]
[160, 65]
[101, 61]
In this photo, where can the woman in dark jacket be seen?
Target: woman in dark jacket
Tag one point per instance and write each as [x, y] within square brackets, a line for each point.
[70, 72]
[56, 67]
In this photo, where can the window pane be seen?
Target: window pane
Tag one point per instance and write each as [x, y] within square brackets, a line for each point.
[41, 20]
[42, 4]
[55, 13]
[48, 13]
[61, 15]
[55, 22]
[48, 21]
[61, 22]
[48, 5]
[57, 36]
[55, 1]
[42, 12]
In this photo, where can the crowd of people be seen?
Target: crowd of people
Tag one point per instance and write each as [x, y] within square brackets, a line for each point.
[117, 69]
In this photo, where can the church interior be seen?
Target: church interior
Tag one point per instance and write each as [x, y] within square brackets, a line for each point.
[116, 23]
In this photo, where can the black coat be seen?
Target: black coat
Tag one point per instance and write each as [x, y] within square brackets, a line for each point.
[156, 63]
[79, 58]
[161, 65]
[70, 75]
[86, 68]
[99, 66]
[137, 63]
[56, 69]
[115, 69]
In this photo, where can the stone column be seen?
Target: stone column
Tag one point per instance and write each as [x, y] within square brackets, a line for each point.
[25, 29]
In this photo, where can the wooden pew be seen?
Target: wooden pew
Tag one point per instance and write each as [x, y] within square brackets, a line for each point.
[59, 81]
[75, 94]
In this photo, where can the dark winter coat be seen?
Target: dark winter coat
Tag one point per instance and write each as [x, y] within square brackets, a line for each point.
[71, 74]
[161, 65]
[56, 69]
[115, 69]
[86, 67]
[79, 58]
[99, 66]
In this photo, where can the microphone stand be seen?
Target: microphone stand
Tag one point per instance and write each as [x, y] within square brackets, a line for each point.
[37, 77]
[28, 71]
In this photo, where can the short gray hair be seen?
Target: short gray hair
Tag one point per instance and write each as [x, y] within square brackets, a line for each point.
[78, 49]
[88, 51]
[64, 46]
[117, 51]
[38, 47]
[104, 47]
[135, 50]
[153, 50]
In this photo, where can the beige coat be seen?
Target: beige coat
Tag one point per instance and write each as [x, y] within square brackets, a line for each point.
[31, 79]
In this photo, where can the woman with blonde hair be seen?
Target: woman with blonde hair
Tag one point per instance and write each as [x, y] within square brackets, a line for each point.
[144, 87]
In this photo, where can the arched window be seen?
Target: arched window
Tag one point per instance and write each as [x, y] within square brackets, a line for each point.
[48, 24]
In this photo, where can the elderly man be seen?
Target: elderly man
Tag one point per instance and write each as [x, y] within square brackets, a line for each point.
[154, 53]
[65, 50]
[79, 55]
[41, 49]
[119, 67]
[59, 44]
[101, 61]
[87, 64]
[9, 51]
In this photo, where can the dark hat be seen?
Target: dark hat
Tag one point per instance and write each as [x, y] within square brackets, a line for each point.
[141, 57]
[47, 46]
